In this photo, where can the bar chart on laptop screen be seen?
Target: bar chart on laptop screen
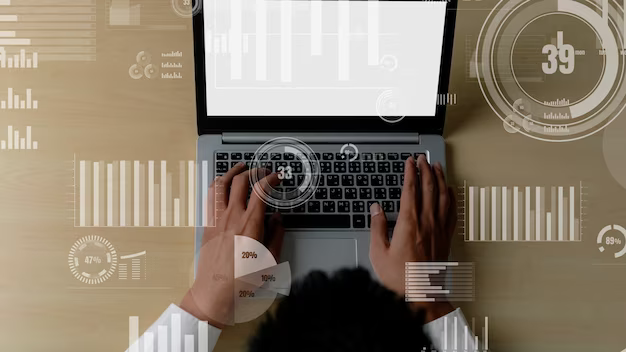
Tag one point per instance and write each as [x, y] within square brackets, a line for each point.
[152, 193]
[342, 52]
[522, 213]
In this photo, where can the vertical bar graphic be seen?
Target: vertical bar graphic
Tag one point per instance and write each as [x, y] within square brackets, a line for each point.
[572, 220]
[515, 214]
[16, 139]
[316, 27]
[505, 218]
[157, 202]
[136, 192]
[542, 216]
[148, 341]
[176, 212]
[373, 28]
[175, 333]
[560, 221]
[486, 334]
[537, 213]
[235, 39]
[565, 218]
[548, 226]
[495, 209]
[133, 334]
[488, 206]
[168, 200]
[128, 189]
[102, 205]
[151, 193]
[29, 102]
[35, 60]
[465, 336]
[88, 190]
[343, 48]
[162, 338]
[205, 190]
[82, 193]
[10, 137]
[285, 40]
[482, 214]
[10, 98]
[203, 336]
[123, 193]
[527, 214]
[455, 335]
[445, 325]
[96, 194]
[190, 196]
[532, 226]
[29, 139]
[472, 196]
[181, 193]
[109, 194]
[142, 195]
[189, 346]
[163, 193]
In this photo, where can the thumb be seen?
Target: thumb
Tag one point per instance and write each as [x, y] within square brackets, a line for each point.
[378, 229]
[275, 235]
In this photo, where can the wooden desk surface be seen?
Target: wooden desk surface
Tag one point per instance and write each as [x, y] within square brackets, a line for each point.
[538, 296]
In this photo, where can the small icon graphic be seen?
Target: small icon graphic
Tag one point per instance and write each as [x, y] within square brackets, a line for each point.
[612, 240]
[143, 67]
[389, 63]
[350, 150]
[135, 263]
[92, 259]
[387, 107]
[14, 142]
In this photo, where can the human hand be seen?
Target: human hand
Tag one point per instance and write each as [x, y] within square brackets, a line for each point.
[423, 231]
[211, 297]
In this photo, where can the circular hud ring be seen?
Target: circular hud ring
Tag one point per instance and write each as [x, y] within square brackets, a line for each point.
[555, 119]
[297, 166]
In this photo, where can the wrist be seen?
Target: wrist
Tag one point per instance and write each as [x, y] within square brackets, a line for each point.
[432, 310]
[188, 304]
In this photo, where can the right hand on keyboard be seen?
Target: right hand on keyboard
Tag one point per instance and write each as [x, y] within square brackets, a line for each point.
[423, 230]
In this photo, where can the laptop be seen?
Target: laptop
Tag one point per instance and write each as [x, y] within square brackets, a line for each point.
[332, 95]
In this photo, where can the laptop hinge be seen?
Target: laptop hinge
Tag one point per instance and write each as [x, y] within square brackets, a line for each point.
[335, 138]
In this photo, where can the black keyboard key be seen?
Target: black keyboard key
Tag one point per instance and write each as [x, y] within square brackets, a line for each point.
[326, 221]
[418, 154]
[390, 223]
[296, 166]
[354, 167]
[398, 167]
[300, 209]
[282, 164]
[328, 206]
[393, 156]
[365, 193]
[380, 156]
[327, 156]
[367, 156]
[322, 180]
[398, 206]
[269, 165]
[336, 193]
[350, 193]
[358, 206]
[388, 206]
[233, 163]
[347, 180]
[377, 180]
[321, 193]
[313, 206]
[275, 156]
[405, 156]
[332, 180]
[264, 156]
[384, 167]
[221, 156]
[362, 180]
[341, 156]
[221, 166]
[380, 193]
[288, 156]
[326, 167]
[248, 156]
[391, 180]
[358, 221]
[402, 180]
[236, 156]
[339, 167]
[395, 193]
[343, 206]
[369, 167]
[289, 182]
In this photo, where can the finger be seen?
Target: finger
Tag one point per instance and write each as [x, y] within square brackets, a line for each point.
[379, 242]
[239, 191]
[443, 195]
[408, 200]
[221, 185]
[428, 189]
[256, 206]
[275, 235]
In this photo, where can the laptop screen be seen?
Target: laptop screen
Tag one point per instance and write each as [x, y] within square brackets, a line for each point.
[322, 58]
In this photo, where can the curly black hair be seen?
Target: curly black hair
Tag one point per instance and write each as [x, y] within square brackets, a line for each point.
[345, 312]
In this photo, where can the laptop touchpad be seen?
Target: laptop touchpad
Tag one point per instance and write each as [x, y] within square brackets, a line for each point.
[326, 254]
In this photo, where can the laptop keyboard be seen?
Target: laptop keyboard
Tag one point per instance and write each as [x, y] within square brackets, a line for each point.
[345, 191]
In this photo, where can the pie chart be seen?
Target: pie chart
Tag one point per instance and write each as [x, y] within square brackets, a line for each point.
[258, 279]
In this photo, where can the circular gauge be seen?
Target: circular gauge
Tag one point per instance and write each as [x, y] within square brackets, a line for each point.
[135, 71]
[92, 259]
[143, 58]
[183, 8]
[615, 239]
[297, 167]
[553, 71]
[151, 71]
[389, 63]
[388, 107]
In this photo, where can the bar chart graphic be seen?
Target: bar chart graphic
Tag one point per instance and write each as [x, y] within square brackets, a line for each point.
[438, 281]
[522, 213]
[44, 30]
[21, 60]
[167, 338]
[15, 142]
[463, 339]
[128, 193]
[15, 101]
[143, 15]
[137, 261]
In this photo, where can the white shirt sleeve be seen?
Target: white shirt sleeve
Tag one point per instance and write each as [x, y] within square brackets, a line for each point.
[451, 333]
[177, 331]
